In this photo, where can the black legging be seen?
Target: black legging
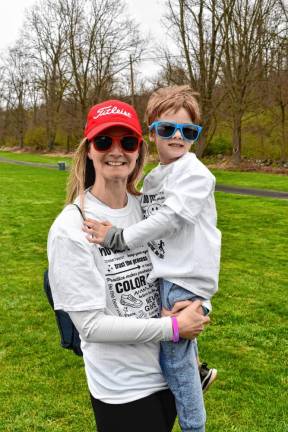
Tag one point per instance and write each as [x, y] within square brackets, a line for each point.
[154, 413]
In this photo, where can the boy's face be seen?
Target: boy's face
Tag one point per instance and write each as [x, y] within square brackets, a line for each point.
[173, 148]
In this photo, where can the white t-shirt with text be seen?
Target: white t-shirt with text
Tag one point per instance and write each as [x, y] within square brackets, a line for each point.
[84, 277]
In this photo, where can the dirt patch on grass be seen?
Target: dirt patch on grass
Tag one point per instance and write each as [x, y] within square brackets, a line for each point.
[19, 150]
[246, 165]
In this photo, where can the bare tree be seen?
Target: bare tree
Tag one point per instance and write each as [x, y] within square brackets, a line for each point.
[45, 36]
[173, 71]
[2, 75]
[4, 106]
[277, 89]
[198, 29]
[16, 82]
[100, 41]
[284, 8]
[242, 64]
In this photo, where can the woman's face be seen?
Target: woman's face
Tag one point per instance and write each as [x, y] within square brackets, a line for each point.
[115, 163]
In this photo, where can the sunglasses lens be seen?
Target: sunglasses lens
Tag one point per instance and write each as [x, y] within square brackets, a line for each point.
[102, 143]
[190, 133]
[129, 143]
[165, 130]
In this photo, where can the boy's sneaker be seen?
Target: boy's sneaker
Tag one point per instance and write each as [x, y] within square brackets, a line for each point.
[207, 376]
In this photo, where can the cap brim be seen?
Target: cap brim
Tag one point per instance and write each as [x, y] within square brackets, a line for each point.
[95, 131]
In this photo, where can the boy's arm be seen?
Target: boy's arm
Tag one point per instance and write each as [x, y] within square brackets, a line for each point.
[162, 224]
[188, 195]
[184, 200]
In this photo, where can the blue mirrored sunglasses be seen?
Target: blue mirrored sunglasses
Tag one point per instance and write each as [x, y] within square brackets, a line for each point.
[166, 130]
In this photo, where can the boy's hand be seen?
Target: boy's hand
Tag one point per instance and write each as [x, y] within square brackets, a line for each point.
[96, 230]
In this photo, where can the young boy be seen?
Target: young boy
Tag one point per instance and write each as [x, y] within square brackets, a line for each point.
[180, 228]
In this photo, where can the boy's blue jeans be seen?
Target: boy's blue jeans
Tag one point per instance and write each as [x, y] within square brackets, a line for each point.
[180, 367]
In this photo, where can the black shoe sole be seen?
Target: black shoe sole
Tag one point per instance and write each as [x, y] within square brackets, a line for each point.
[209, 379]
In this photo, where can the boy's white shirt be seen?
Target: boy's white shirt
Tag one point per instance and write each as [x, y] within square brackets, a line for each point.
[184, 242]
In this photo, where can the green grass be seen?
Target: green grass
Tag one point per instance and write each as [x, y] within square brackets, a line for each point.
[34, 157]
[254, 180]
[232, 178]
[43, 387]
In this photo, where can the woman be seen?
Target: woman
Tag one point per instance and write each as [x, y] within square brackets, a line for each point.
[106, 294]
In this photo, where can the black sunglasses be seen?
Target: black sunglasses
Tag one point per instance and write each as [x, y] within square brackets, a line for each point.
[129, 143]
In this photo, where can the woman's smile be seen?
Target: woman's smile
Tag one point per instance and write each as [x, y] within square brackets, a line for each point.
[114, 163]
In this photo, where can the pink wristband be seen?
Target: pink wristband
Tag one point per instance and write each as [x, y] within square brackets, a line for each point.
[175, 329]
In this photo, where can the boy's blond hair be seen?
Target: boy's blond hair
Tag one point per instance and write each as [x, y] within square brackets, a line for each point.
[172, 99]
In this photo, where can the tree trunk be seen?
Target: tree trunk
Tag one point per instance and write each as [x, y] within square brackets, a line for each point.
[184, 42]
[237, 138]
[21, 125]
[51, 140]
[201, 145]
[21, 141]
[283, 133]
[68, 143]
[51, 121]
[83, 114]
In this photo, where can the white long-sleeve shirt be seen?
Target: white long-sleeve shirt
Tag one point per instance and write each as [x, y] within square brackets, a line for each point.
[111, 303]
[96, 326]
[180, 226]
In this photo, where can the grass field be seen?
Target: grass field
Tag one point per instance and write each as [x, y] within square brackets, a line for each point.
[34, 157]
[255, 180]
[43, 386]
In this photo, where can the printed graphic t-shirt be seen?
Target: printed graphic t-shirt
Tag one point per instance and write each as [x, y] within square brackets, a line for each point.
[85, 276]
[189, 252]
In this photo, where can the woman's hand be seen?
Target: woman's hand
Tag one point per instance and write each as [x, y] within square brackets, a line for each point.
[183, 304]
[191, 322]
[180, 306]
[96, 230]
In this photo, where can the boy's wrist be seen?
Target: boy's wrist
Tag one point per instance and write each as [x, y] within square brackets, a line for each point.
[114, 239]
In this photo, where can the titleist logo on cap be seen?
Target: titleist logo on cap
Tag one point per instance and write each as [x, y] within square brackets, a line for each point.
[111, 110]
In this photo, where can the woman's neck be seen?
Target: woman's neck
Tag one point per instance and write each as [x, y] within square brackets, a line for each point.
[113, 194]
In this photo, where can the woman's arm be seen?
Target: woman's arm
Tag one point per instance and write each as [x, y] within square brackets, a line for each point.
[95, 326]
[78, 286]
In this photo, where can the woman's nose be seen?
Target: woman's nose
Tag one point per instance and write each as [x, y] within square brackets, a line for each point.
[116, 147]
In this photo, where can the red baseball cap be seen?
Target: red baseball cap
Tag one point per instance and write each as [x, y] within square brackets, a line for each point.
[111, 113]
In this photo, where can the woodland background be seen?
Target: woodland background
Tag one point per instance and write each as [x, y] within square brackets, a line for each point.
[75, 53]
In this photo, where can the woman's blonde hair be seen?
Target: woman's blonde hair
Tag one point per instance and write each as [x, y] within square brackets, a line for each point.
[172, 99]
[82, 174]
